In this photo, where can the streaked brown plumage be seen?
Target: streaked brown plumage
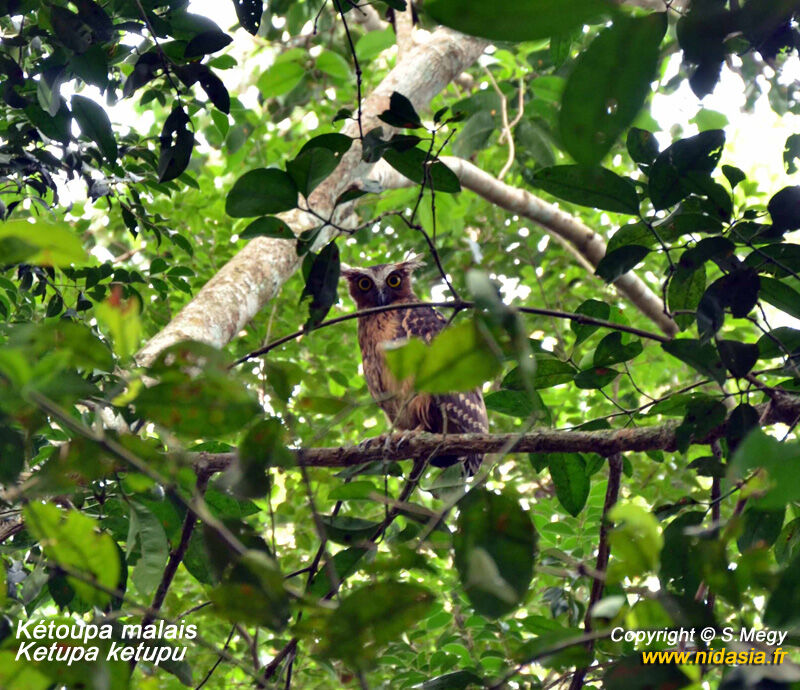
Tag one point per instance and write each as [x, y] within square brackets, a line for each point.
[451, 413]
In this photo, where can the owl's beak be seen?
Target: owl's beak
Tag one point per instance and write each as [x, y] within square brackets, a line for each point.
[383, 298]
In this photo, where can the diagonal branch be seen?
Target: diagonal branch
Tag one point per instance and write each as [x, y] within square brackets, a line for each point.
[255, 275]
[588, 246]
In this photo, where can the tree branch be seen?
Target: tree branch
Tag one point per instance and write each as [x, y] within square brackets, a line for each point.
[603, 552]
[255, 275]
[586, 243]
[606, 442]
[458, 305]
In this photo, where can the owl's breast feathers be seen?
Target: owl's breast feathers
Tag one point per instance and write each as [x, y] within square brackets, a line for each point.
[451, 413]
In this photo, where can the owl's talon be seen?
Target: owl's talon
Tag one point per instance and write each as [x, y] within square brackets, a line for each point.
[370, 442]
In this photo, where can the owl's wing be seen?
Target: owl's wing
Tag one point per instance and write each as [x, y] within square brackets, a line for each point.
[452, 413]
[459, 413]
[423, 323]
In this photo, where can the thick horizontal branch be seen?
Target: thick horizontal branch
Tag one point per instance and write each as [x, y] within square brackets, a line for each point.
[782, 408]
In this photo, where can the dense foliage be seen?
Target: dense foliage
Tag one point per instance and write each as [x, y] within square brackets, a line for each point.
[142, 145]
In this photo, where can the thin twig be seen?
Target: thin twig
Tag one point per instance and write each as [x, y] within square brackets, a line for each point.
[356, 65]
[458, 305]
[603, 552]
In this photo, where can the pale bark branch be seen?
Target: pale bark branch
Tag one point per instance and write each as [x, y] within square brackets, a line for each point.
[255, 275]
[589, 245]
[368, 17]
[606, 442]
[404, 29]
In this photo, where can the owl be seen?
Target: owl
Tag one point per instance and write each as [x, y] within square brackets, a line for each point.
[451, 413]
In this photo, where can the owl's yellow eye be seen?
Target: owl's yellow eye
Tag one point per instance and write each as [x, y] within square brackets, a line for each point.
[364, 284]
[393, 281]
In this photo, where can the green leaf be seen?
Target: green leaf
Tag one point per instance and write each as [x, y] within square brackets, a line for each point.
[697, 154]
[706, 119]
[267, 226]
[262, 447]
[92, 66]
[145, 529]
[594, 308]
[43, 243]
[249, 14]
[373, 43]
[474, 134]
[611, 350]
[261, 191]
[280, 79]
[344, 562]
[458, 359]
[56, 127]
[311, 167]
[333, 64]
[642, 146]
[618, 262]
[609, 85]
[369, 618]
[95, 125]
[414, 164]
[189, 402]
[783, 608]
[177, 142]
[121, 320]
[455, 680]
[507, 20]
[684, 292]
[253, 592]
[550, 371]
[345, 529]
[321, 283]
[206, 42]
[733, 174]
[743, 418]
[702, 357]
[595, 187]
[787, 546]
[516, 403]
[791, 153]
[761, 528]
[570, 479]
[703, 415]
[779, 342]
[738, 357]
[401, 113]
[12, 450]
[779, 459]
[708, 249]
[359, 490]
[596, 377]
[782, 209]
[780, 295]
[333, 141]
[70, 29]
[678, 568]
[73, 540]
[495, 550]
[635, 541]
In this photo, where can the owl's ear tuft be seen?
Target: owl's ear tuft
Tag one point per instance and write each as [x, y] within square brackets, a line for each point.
[348, 273]
[411, 263]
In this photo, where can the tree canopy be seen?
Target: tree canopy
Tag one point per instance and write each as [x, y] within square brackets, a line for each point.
[186, 438]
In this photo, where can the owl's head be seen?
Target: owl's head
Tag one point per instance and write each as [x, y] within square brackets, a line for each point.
[376, 286]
